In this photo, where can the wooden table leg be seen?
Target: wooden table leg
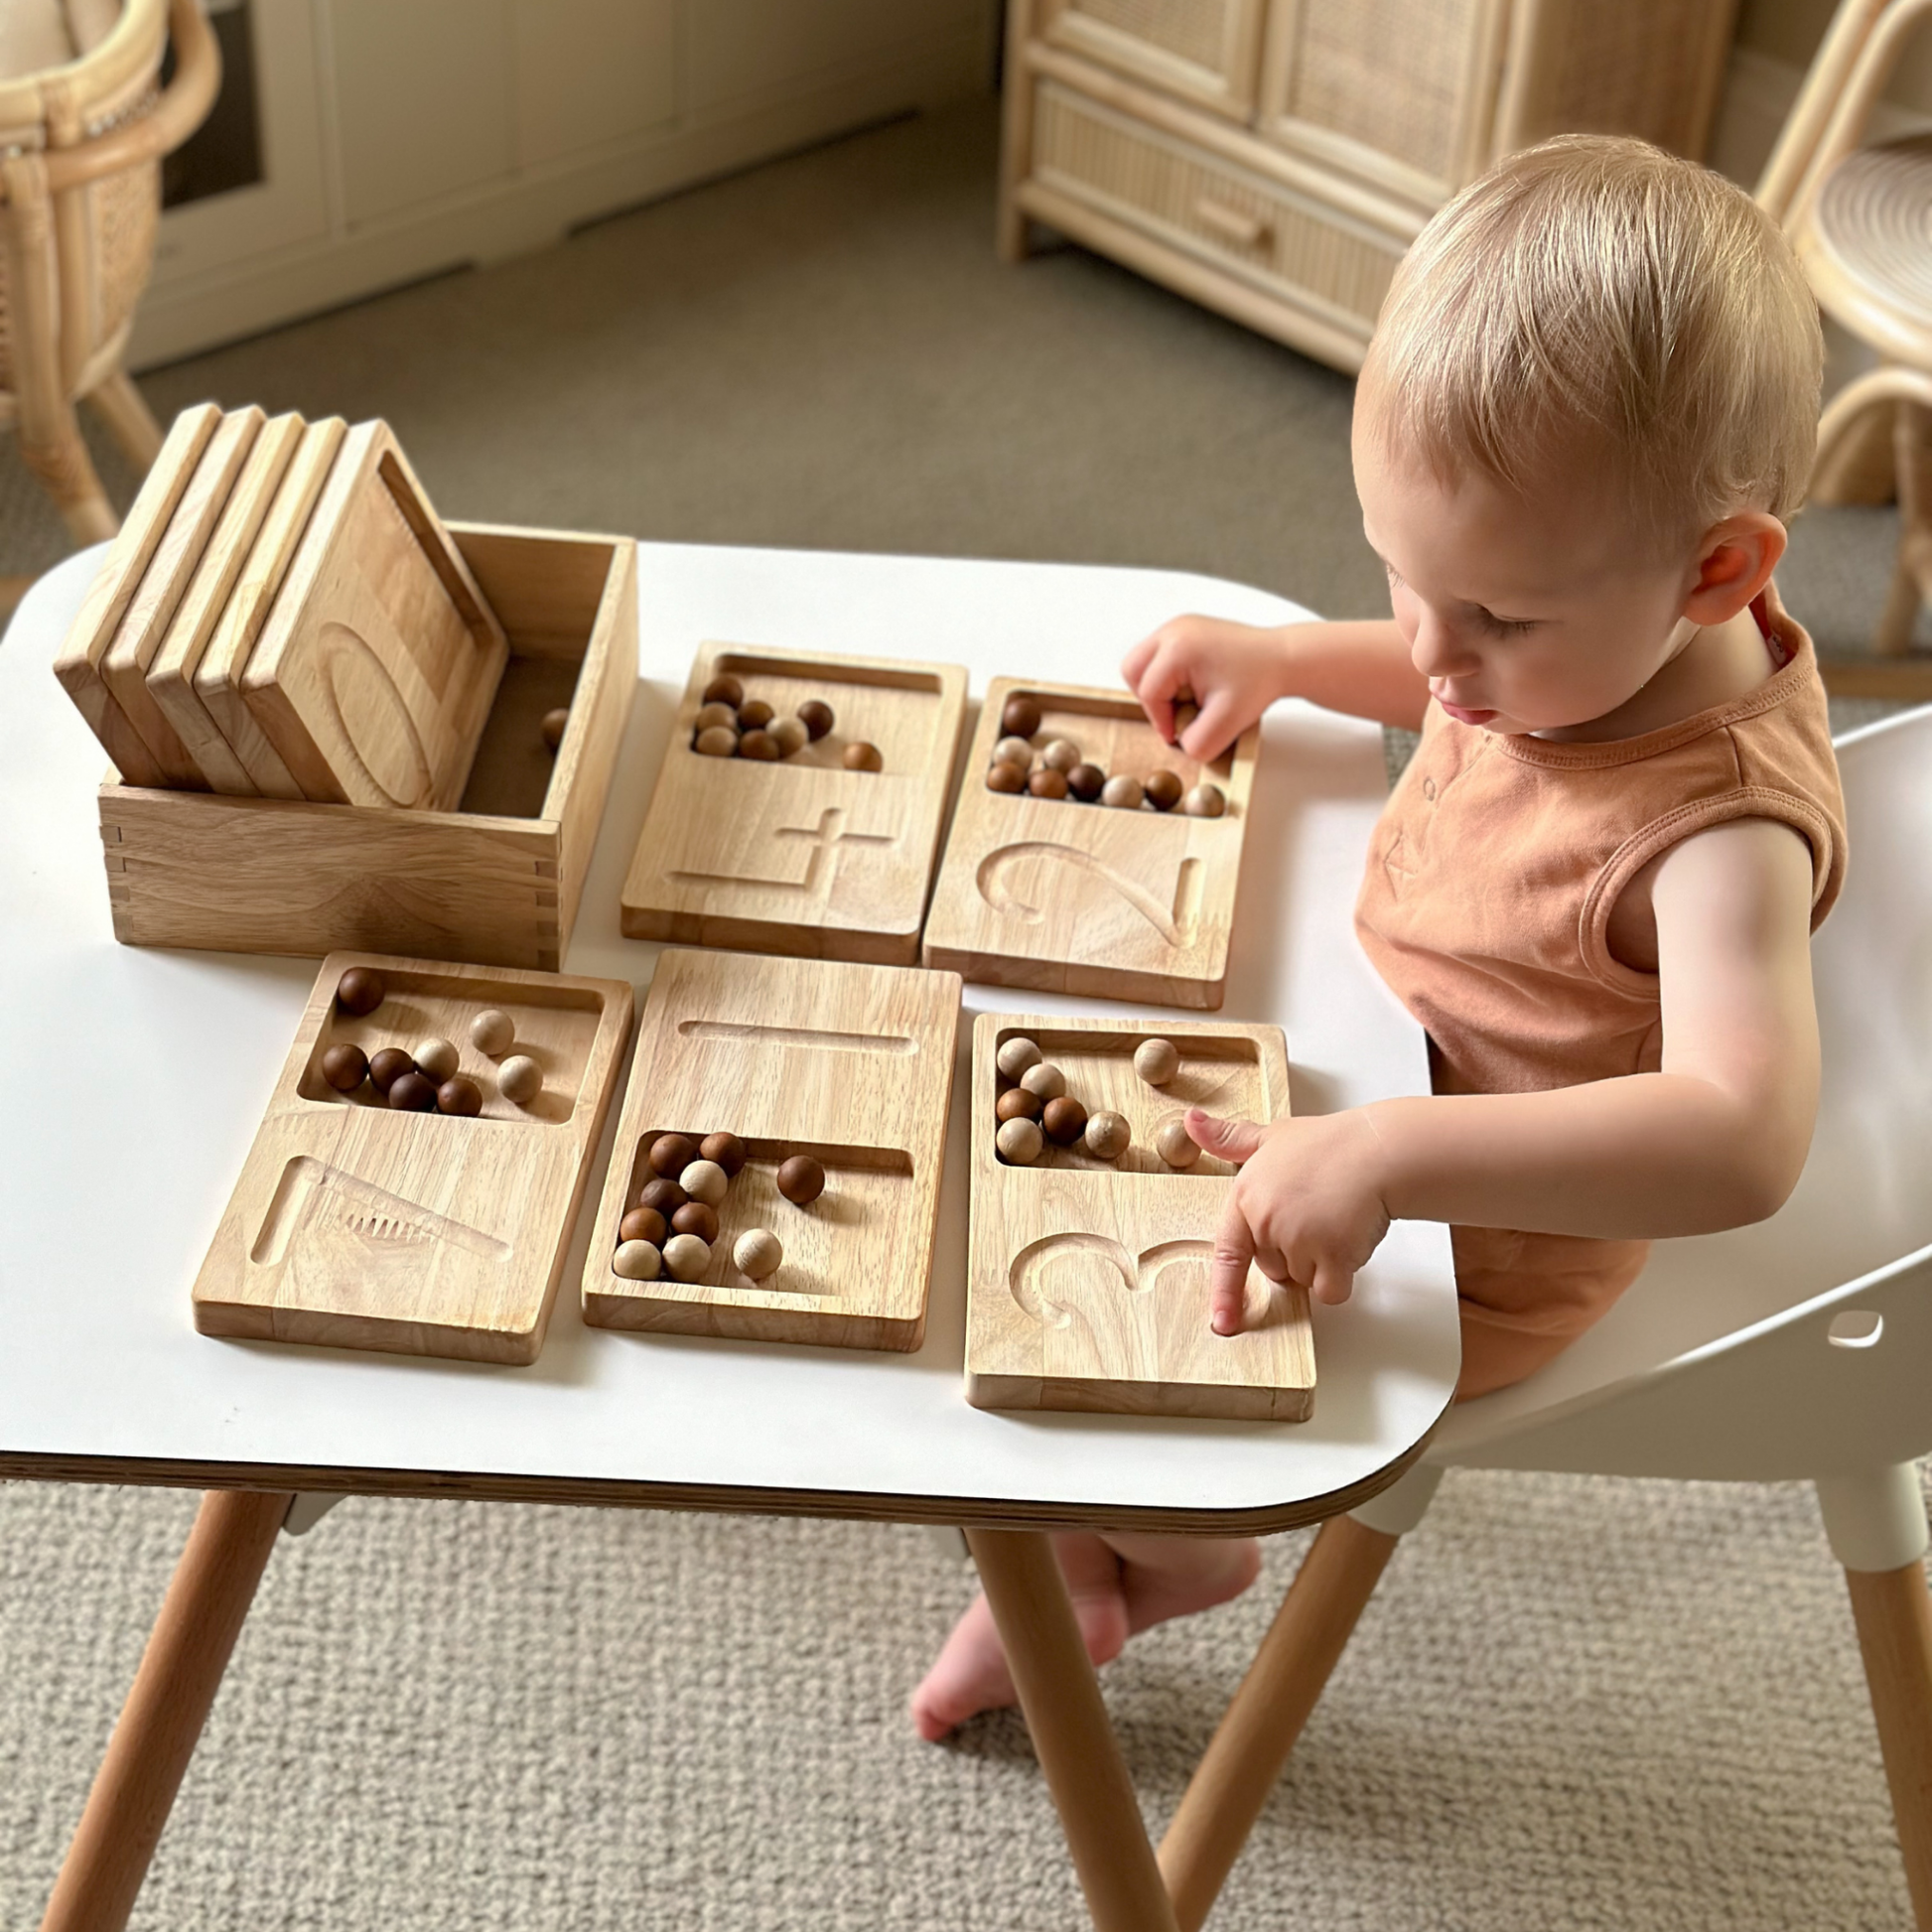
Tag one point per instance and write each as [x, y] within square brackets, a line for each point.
[1893, 1614]
[1078, 1751]
[181, 1670]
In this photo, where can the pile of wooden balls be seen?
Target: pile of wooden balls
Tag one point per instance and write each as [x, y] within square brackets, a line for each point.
[671, 1228]
[426, 1081]
[1056, 770]
[1036, 1108]
[732, 726]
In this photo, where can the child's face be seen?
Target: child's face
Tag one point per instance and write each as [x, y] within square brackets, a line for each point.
[1524, 616]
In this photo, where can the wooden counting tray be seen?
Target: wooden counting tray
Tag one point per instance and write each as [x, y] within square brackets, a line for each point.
[850, 1064]
[1087, 1279]
[801, 856]
[1071, 897]
[421, 1234]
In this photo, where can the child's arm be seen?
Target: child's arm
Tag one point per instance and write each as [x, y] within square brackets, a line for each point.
[1715, 1138]
[1237, 670]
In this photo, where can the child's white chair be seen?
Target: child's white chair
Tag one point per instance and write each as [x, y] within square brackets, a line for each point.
[1800, 1349]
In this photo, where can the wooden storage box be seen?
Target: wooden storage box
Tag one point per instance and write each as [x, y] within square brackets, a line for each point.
[497, 881]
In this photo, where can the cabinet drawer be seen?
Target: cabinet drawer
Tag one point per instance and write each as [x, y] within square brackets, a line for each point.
[1334, 265]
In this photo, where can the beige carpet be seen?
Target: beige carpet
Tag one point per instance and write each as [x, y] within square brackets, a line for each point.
[1616, 1705]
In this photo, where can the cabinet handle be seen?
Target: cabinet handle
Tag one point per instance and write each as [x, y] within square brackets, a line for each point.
[1234, 225]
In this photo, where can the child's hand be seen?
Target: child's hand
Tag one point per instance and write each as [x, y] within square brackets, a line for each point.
[1231, 670]
[1305, 1208]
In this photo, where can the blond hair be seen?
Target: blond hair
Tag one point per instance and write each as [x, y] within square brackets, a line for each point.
[1594, 301]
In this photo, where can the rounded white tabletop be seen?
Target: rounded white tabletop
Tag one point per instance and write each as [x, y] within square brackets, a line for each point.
[141, 1075]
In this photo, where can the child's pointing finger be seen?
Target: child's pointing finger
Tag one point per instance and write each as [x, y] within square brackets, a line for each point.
[1226, 1140]
[1227, 1271]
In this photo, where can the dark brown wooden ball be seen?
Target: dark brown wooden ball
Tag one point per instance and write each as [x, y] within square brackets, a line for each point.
[1017, 1104]
[643, 1224]
[1006, 777]
[724, 689]
[413, 1093]
[388, 1067]
[459, 1095]
[694, 1218]
[1164, 790]
[817, 716]
[663, 1194]
[1048, 784]
[723, 1150]
[760, 745]
[554, 724]
[801, 1179]
[1064, 1120]
[861, 757]
[360, 990]
[1020, 718]
[754, 714]
[344, 1067]
[1085, 780]
[671, 1154]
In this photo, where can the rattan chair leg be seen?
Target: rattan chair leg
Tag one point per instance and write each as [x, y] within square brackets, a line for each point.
[128, 418]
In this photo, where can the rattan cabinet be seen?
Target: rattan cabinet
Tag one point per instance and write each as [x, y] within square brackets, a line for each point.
[1273, 159]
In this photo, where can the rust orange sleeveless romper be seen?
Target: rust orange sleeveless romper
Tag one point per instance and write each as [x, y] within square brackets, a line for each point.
[1486, 904]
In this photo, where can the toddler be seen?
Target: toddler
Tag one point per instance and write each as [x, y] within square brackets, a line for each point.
[1588, 410]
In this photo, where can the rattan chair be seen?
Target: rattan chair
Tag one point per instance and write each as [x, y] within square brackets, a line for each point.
[80, 150]
[1857, 215]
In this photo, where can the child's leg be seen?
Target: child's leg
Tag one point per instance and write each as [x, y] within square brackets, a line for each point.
[1119, 1584]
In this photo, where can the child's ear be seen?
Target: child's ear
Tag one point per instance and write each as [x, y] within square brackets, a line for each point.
[1735, 561]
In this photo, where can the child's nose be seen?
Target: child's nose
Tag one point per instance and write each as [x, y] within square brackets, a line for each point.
[1437, 651]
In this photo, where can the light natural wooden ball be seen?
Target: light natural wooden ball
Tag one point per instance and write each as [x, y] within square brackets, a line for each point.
[1046, 1079]
[789, 735]
[712, 716]
[719, 742]
[1174, 1144]
[519, 1079]
[638, 1261]
[1060, 754]
[705, 1180]
[1020, 1140]
[1108, 1135]
[686, 1256]
[758, 1253]
[493, 1032]
[1013, 751]
[1205, 801]
[1122, 792]
[1016, 1055]
[1157, 1061]
[437, 1058]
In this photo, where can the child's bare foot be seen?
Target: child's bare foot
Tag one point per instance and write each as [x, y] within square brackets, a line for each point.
[970, 1673]
[1172, 1576]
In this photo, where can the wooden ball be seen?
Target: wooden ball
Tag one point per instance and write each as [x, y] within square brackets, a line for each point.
[1064, 1120]
[459, 1095]
[686, 1256]
[1017, 1104]
[643, 1224]
[759, 744]
[663, 1195]
[519, 1079]
[344, 1067]
[758, 1253]
[493, 1032]
[1108, 1135]
[1060, 754]
[725, 689]
[1048, 784]
[1007, 777]
[555, 724]
[715, 717]
[719, 742]
[696, 1217]
[1020, 718]
[413, 1093]
[1020, 1142]
[1205, 801]
[705, 1180]
[861, 757]
[817, 716]
[1086, 782]
[801, 1179]
[1174, 1144]
[754, 714]
[360, 991]
[1157, 1061]
[387, 1065]
[1162, 790]
[437, 1057]
[789, 735]
[726, 1149]
[1122, 792]
[1013, 751]
[1185, 711]
[1016, 1055]
[638, 1261]
[671, 1154]
[1045, 1080]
